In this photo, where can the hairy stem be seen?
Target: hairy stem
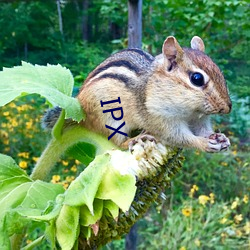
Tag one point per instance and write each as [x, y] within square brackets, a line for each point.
[57, 146]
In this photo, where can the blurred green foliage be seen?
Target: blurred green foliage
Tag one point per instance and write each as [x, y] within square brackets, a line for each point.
[30, 32]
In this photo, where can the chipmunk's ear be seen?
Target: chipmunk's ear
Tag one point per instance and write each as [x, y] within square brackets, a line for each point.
[172, 50]
[197, 43]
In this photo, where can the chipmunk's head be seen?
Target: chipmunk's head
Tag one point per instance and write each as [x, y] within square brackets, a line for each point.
[196, 76]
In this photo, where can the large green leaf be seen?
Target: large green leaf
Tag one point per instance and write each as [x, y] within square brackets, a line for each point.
[67, 226]
[83, 189]
[40, 193]
[53, 82]
[118, 188]
[22, 198]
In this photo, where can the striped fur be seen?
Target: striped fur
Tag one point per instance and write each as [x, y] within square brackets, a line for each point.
[157, 95]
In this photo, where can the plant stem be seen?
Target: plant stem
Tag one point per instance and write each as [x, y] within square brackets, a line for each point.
[57, 147]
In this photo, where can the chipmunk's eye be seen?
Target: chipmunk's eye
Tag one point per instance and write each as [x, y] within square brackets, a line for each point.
[197, 79]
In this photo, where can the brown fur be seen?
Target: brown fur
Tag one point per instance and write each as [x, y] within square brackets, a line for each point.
[157, 95]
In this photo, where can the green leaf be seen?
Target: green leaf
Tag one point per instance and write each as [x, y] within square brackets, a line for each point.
[6, 186]
[39, 194]
[67, 226]
[112, 208]
[86, 231]
[83, 189]
[51, 215]
[4, 240]
[87, 218]
[50, 234]
[118, 188]
[20, 197]
[83, 152]
[53, 82]
[9, 168]
[14, 198]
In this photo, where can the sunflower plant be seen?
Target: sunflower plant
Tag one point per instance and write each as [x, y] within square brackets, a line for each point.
[103, 201]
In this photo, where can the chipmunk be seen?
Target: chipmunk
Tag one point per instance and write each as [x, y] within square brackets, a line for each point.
[170, 96]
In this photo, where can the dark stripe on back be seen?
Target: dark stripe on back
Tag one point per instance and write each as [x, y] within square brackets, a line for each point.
[142, 53]
[118, 77]
[118, 63]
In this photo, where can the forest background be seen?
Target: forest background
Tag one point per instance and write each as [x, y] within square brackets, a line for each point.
[207, 205]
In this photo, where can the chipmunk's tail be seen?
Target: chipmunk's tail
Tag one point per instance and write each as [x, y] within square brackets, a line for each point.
[50, 117]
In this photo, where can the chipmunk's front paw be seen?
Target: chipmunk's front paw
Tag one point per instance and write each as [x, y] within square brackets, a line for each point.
[218, 142]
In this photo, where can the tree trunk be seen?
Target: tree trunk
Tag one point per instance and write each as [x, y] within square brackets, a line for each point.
[59, 16]
[135, 23]
[85, 20]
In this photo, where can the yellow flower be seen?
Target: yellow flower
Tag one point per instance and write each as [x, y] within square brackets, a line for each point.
[12, 105]
[23, 164]
[77, 162]
[235, 203]
[187, 211]
[6, 113]
[6, 141]
[183, 248]
[197, 242]
[24, 154]
[238, 233]
[29, 124]
[35, 159]
[234, 152]
[197, 152]
[193, 190]
[245, 199]
[6, 149]
[65, 163]
[4, 134]
[65, 185]
[224, 164]
[70, 178]
[73, 168]
[203, 199]
[55, 178]
[223, 220]
[238, 218]
[211, 195]
[14, 123]
[247, 227]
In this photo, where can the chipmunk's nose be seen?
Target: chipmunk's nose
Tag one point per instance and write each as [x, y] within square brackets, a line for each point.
[226, 109]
